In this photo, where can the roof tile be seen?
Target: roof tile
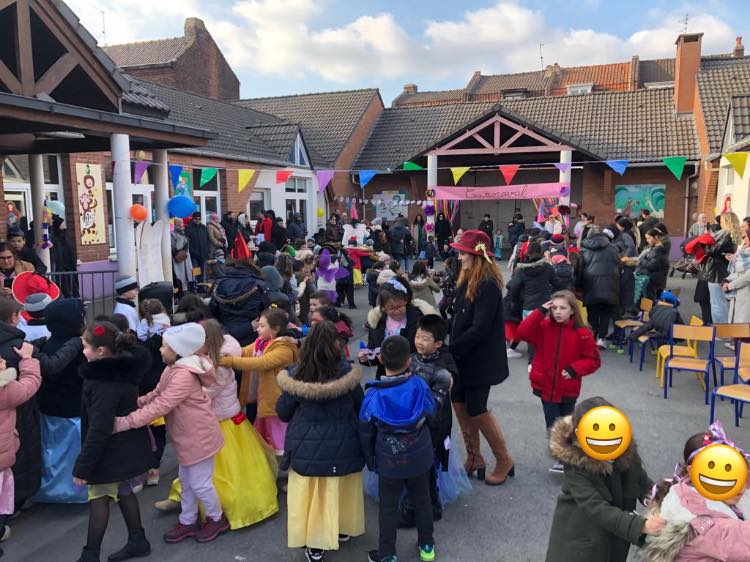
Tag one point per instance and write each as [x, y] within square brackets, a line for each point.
[158, 51]
[718, 80]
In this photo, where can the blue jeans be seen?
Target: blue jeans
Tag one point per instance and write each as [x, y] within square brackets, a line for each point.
[719, 304]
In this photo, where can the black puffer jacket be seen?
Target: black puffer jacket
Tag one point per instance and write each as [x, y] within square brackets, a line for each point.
[531, 285]
[564, 276]
[598, 271]
[238, 299]
[656, 264]
[715, 268]
[60, 393]
[398, 235]
[661, 319]
[322, 437]
[110, 389]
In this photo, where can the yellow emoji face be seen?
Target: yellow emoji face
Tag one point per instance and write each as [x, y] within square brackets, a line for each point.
[604, 433]
[718, 472]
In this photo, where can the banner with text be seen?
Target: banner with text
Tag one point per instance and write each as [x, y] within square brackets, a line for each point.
[518, 191]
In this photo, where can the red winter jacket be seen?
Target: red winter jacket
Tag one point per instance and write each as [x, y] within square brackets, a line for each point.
[558, 347]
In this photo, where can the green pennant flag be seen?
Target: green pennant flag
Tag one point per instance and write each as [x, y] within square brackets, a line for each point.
[207, 174]
[411, 166]
[676, 165]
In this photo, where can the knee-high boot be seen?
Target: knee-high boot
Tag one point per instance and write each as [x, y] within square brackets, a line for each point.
[504, 466]
[470, 431]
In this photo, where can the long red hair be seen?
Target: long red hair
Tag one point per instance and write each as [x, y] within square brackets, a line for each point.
[480, 270]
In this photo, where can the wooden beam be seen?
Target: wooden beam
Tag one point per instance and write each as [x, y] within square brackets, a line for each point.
[481, 141]
[23, 47]
[512, 139]
[9, 79]
[56, 74]
[509, 150]
[496, 134]
[471, 132]
[5, 3]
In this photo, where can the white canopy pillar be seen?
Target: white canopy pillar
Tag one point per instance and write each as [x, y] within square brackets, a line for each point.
[161, 197]
[122, 186]
[432, 179]
[36, 173]
[566, 157]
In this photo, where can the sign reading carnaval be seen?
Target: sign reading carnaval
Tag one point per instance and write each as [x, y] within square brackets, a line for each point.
[499, 192]
[90, 204]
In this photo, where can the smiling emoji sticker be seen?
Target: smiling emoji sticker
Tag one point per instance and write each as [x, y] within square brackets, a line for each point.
[718, 472]
[604, 433]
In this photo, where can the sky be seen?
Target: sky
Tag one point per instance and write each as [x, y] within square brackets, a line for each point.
[279, 47]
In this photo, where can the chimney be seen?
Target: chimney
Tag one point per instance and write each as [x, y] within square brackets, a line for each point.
[739, 48]
[686, 67]
[194, 27]
[410, 88]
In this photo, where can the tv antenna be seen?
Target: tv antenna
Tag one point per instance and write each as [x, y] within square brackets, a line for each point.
[684, 21]
[104, 28]
[541, 54]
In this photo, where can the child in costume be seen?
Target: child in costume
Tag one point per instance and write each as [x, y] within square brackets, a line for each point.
[126, 288]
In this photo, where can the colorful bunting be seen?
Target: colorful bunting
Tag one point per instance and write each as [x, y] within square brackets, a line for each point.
[324, 178]
[207, 174]
[243, 178]
[509, 171]
[676, 165]
[174, 174]
[140, 169]
[618, 166]
[738, 160]
[458, 172]
[365, 176]
[408, 165]
[563, 166]
[283, 175]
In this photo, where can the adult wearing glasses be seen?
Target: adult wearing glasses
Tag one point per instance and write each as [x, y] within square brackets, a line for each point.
[10, 267]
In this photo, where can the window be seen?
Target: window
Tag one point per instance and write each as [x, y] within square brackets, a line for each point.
[728, 175]
[580, 89]
[298, 155]
[296, 185]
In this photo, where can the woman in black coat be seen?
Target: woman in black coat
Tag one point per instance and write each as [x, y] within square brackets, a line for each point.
[443, 233]
[533, 280]
[64, 257]
[478, 346]
[598, 280]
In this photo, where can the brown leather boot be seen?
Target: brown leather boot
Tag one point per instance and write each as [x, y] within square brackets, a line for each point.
[470, 431]
[504, 467]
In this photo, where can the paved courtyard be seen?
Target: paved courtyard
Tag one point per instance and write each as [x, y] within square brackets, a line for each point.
[506, 523]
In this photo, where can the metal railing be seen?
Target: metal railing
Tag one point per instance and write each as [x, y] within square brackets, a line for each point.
[95, 288]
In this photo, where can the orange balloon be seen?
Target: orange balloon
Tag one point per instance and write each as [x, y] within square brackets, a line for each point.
[138, 213]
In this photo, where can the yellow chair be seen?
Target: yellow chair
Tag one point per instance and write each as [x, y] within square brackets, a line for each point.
[693, 364]
[645, 307]
[739, 392]
[689, 350]
[735, 332]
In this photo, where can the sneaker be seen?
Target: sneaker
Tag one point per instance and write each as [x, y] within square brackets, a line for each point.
[344, 538]
[153, 477]
[5, 535]
[180, 532]
[374, 556]
[557, 468]
[427, 552]
[212, 529]
[513, 354]
[166, 506]
[729, 346]
[314, 554]
[601, 344]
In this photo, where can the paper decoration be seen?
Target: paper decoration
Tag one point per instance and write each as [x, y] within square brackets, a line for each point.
[563, 166]
[365, 176]
[411, 166]
[519, 191]
[207, 174]
[509, 171]
[618, 166]
[458, 172]
[45, 226]
[738, 160]
[90, 198]
[324, 178]
[675, 164]
[283, 175]
[174, 174]
[243, 178]
[140, 168]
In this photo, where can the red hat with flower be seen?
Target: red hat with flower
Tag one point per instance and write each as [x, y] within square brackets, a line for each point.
[473, 242]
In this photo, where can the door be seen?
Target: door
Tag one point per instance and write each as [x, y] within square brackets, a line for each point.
[207, 203]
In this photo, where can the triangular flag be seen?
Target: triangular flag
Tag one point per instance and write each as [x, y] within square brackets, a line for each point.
[618, 166]
[676, 165]
[324, 177]
[509, 171]
[563, 166]
[458, 172]
[408, 165]
[174, 174]
[738, 161]
[365, 176]
[283, 175]
[140, 169]
[207, 174]
[243, 178]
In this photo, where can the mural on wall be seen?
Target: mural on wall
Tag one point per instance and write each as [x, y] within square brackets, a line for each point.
[390, 204]
[90, 201]
[184, 184]
[630, 199]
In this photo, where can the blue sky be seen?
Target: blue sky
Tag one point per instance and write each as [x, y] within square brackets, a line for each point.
[292, 46]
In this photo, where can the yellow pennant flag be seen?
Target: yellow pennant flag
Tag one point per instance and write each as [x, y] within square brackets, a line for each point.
[243, 178]
[458, 172]
[738, 161]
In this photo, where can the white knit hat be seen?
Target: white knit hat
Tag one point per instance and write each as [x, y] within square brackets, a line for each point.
[185, 340]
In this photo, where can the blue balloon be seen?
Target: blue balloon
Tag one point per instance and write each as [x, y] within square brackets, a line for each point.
[181, 206]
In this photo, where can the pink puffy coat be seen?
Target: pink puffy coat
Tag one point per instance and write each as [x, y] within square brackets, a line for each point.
[192, 426]
[14, 393]
[223, 393]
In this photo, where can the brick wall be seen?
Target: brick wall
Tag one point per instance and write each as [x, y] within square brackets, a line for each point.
[163, 74]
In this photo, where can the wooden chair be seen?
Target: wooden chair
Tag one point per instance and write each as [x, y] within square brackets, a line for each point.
[692, 364]
[739, 392]
[735, 332]
[629, 324]
[689, 350]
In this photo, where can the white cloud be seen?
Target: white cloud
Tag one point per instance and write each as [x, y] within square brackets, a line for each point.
[277, 37]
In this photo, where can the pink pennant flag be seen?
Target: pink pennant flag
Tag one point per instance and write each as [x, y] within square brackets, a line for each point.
[283, 175]
[509, 171]
[140, 169]
[563, 166]
[324, 178]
